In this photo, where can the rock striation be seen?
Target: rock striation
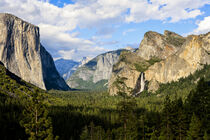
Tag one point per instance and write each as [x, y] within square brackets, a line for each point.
[158, 45]
[95, 73]
[23, 55]
[161, 59]
[191, 57]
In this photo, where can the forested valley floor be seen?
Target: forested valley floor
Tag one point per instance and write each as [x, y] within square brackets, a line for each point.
[178, 110]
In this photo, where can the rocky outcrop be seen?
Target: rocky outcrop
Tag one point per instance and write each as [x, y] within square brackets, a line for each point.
[191, 57]
[104, 66]
[158, 45]
[84, 61]
[22, 54]
[153, 48]
[93, 72]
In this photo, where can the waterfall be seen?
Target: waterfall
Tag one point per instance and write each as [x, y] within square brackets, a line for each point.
[142, 82]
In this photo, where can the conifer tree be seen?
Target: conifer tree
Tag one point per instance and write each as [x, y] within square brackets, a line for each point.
[126, 109]
[179, 119]
[194, 132]
[206, 136]
[166, 132]
[153, 136]
[35, 119]
[85, 134]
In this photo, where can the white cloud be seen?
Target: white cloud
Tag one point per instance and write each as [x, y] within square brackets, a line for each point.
[57, 24]
[127, 31]
[76, 54]
[203, 26]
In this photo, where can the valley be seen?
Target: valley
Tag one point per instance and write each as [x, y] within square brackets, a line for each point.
[158, 91]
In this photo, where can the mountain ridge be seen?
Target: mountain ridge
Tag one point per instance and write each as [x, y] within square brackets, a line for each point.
[184, 55]
[96, 73]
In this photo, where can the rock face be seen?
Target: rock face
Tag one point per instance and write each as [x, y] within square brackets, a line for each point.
[158, 45]
[66, 67]
[191, 57]
[162, 59]
[94, 73]
[22, 54]
[84, 61]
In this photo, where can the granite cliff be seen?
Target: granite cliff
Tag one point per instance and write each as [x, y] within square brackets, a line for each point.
[161, 59]
[96, 73]
[22, 54]
[195, 52]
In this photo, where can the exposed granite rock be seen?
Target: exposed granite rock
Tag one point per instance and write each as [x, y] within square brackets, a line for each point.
[22, 54]
[179, 57]
[84, 61]
[191, 57]
[153, 48]
[131, 74]
[158, 45]
[104, 66]
[96, 70]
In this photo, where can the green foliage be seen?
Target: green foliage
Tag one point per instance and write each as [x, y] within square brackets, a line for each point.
[194, 132]
[93, 133]
[206, 136]
[167, 114]
[153, 60]
[91, 86]
[35, 119]
[22, 103]
[143, 66]
[177, 41]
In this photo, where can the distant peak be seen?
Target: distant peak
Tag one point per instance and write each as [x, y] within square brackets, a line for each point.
[128, 48]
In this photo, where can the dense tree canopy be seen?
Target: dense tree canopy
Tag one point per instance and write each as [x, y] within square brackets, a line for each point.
[178, 110]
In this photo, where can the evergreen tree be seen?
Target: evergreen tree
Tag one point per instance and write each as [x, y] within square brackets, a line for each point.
[194, 132]
[179, 119]
[85, 134]
[166, 131]
[153, 136]
[126, 109]
[35, 119]
[206, 136]
[143, 128]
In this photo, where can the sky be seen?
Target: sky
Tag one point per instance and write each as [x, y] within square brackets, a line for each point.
[73, 29]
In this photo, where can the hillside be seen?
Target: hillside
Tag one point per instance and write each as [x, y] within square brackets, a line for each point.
[16, 96]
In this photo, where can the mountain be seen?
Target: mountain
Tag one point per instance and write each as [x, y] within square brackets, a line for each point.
[161, 59]
[22, 54]
[96, 73]
[84, 61]
[66, 67]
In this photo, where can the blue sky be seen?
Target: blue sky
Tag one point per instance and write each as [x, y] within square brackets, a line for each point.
[72, 29]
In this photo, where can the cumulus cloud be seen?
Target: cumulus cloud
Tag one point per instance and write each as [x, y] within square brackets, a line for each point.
[203, 26]
[57, 24]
